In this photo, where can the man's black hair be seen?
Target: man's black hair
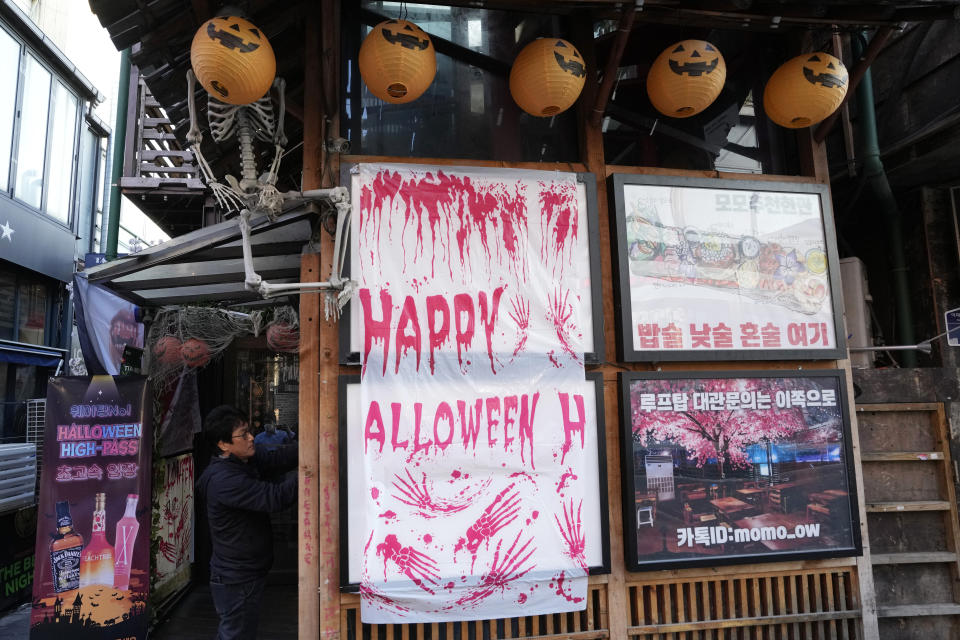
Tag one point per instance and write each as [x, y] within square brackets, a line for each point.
[221, 423]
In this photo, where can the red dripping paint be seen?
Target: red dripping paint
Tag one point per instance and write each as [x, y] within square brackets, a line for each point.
[561, 577]
[535, 515]
[388, 515]
[522, 598]
[567, 475]
[428, 538]
[558, 207]
[374, 493]
[455, 473]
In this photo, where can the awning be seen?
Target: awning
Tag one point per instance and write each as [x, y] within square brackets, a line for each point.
[30, 354]
[207, 264]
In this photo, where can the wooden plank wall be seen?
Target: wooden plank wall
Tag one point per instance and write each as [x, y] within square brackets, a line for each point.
[798, 600]
[912, 510]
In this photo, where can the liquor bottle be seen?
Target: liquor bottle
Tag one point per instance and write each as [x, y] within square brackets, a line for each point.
[127, 528]
[96, 564]
[65, 549]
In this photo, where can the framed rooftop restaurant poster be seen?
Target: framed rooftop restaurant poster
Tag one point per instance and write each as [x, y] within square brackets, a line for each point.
[737, 467]
[725, 270]
[593, 514]
[503, 213]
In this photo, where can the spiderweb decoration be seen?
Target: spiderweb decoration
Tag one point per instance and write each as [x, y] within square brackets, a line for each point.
[283, 334]
[184, 338]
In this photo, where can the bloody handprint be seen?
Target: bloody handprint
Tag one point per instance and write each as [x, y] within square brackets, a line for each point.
[417, 566]
[573, 534]
[502, 571]
[498, 514]
[520, 314]
[417, 495]
[560, 313]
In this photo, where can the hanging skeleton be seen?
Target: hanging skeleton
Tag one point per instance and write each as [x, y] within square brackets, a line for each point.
[257, 195]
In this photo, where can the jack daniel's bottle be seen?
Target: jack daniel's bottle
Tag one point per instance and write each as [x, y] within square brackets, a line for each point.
[65, 550]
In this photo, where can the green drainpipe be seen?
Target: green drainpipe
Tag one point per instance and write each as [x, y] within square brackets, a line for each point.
[119, 144]
[890, 215]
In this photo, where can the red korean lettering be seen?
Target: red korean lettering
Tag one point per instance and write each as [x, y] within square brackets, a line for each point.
[672, 337]
[749, 335]
[648, 335]
[797, 334]
[700, 337]
[722, 337]
[770, 334]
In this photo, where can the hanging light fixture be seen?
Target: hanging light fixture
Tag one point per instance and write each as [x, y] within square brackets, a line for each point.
[547, 77]
[397, 61]
[805, 90]
[233, 60]
[686, 78]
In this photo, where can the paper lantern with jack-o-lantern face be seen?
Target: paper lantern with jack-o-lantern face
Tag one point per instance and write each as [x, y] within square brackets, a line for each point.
[547, 77]
[233, 60]
[805, 90]
[686, 78]
[397, 61]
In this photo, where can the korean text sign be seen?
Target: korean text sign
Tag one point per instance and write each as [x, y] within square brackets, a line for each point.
[91, 576]
[474, 298]
[712, 269]
[736, 468]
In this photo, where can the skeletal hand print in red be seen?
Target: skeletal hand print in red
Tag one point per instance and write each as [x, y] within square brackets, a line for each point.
[498, 514]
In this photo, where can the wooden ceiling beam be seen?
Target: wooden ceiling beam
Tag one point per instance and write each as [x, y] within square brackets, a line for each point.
[613, 63]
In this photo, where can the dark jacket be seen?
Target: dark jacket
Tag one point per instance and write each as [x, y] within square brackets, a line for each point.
[238, 505]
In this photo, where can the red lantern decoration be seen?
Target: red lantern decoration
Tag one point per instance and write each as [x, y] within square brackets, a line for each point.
[167, 350]
[195, 353]
[283, 337]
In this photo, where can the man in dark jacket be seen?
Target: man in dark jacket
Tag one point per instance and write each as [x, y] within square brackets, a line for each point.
[238, 504]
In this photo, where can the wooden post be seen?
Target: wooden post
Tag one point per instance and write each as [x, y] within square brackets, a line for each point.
[318, 606]
[591, 151]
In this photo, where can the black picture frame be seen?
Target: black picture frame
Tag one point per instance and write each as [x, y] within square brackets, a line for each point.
[589, 182]
[664, 559]
[344, 459]
[622, 298]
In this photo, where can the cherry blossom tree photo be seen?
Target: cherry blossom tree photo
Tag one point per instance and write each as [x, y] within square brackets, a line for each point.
[724, 435]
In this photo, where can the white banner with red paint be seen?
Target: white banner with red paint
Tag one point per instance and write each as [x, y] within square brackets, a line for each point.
[474, 300]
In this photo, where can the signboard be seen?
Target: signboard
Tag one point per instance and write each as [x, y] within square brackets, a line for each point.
[91, 575]
[725, 270]
[588, 234]
[594, 516]
[750, 467]
[952, 321]
[475, 300]
[18, 530]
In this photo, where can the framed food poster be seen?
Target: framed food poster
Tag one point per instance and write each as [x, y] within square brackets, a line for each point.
[592, 516]
[724, 468]
[516, 218]
[725, 270]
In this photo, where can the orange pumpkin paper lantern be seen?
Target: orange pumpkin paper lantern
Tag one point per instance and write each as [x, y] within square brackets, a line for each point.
[195, 353]
[233, 60]
[397, 61]
[167, 350]
[547, 77]
[805, 90]
[686, 78]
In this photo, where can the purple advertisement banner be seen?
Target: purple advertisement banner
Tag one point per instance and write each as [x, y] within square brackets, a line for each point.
[91, 576]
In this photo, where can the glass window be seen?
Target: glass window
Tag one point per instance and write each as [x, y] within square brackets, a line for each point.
[467, 112]
[8, 294]
[9, 69]
[62, 135]
[33, 133]
[32, 316]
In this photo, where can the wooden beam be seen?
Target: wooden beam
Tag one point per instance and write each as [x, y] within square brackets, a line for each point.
[923, 557]
[873, 49]
[913, 505]
[310, 520]
[613, 64]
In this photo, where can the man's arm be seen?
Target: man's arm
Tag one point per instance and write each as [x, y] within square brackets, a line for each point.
[242, 492]
[280, 459]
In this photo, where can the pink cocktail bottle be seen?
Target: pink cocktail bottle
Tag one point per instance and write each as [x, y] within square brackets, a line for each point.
[127, 528]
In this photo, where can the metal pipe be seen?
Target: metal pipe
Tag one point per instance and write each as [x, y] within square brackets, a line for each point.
[876, 179]
[613, 63]
[119, 147]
